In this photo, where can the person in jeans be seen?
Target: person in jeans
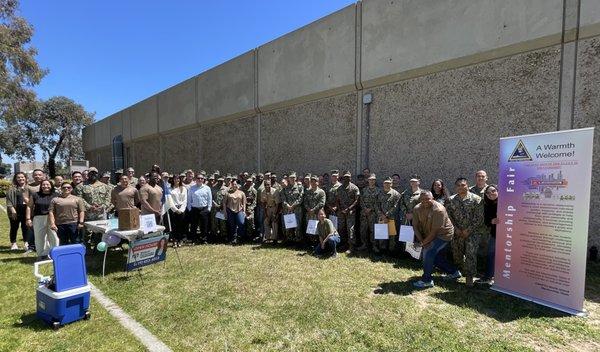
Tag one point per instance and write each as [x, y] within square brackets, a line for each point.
[329, 238]
[17, 198]
[434, 231]
[66, 214]
[199, 202]
[37, 218]
[234, 207]
[490, 218]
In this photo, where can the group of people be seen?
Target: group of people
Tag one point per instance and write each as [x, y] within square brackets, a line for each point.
[197, 207]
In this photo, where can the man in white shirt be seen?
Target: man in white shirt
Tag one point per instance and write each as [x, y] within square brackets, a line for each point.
[199, 204]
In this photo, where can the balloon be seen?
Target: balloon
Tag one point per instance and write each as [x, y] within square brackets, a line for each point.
[101, 247]
[112, 240]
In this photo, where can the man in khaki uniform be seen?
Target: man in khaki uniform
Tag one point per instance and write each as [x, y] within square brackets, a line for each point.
[369, 208]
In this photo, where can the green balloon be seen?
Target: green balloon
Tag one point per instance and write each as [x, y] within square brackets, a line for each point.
[101, 247]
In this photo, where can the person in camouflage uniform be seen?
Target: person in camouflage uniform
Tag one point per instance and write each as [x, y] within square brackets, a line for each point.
[269, 198]
[259, 212]
[465, 210]
[250, 191]
[331, 196]
[96, 198]
[314, 200]
[389, 199]
[481, 179]
[409, 198]
[291, 200]
[369, 207]
[218, 226]
[347, 200]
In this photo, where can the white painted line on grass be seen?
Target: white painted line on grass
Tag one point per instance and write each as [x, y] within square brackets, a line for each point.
[152, 343]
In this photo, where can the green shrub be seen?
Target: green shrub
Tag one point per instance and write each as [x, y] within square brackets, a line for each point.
[4, 185]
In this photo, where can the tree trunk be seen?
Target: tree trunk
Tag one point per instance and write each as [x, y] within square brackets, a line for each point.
[51, 166]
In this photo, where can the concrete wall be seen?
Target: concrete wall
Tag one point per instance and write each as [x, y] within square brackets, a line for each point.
[318, 59]
[312, 137]
[230, 146]
[228, 89]
[447, 124]
[405, 35]
[144, 118]
[181, 150]
[177, 106]
[587, 113]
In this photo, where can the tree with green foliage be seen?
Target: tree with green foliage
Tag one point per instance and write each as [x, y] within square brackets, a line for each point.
[19, 71]
[56, 129]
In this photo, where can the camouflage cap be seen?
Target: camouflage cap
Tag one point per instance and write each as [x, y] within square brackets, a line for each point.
[273, 175]
[130, 169]
[119, 171]
[220, 178]
[307, 176]
[93, 169]
[314, 178]
[106, 174]
[228, 176]
[347, 174]
[335, 172]
[388, 180]
[415, 178]
[372, 177]
[211, 177]
[292, 174]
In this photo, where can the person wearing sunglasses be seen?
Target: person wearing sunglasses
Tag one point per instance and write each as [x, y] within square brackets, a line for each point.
[66, 214]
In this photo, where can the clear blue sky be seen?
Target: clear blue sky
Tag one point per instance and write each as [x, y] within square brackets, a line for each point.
[108, 55]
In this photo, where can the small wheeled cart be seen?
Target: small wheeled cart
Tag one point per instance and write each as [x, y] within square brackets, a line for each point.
[64, 297]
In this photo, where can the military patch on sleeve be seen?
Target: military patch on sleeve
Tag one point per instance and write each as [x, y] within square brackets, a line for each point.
[520, 153]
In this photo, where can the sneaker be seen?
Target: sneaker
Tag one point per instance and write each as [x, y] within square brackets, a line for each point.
[334, 255]
[423, 284]
[14, 247]
[457, 275]
[28, 251]
[25, 245]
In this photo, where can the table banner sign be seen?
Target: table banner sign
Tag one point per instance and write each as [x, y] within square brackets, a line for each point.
[543, 212]
[146, 252]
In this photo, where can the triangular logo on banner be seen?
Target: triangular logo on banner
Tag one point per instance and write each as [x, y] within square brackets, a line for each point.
[520, 153]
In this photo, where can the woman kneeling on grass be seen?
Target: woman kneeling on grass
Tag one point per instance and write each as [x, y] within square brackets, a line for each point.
[328, 236]
[65, 215]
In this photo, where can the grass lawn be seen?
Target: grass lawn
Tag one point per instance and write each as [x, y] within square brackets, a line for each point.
[264, 298]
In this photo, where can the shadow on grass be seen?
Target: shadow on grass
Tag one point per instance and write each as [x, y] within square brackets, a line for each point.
[22, 259]
[30, 321]
[401, 288]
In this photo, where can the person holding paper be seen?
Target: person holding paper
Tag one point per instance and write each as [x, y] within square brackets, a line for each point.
[465, 210]
[410, 197]
[388, 210]
[433, 229]
[328, 236]
[331, 194]
[369, 209]
[314, 199]
[347, 199]
[219, 226]
[291, 201]
[269, 198]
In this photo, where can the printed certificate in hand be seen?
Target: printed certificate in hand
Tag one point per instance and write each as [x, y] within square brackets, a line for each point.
[289, 220]
[148, 223]
[220, 215]
[334, 220]
[311, 227]
[381, 232]
[413, 250]
[407, 233]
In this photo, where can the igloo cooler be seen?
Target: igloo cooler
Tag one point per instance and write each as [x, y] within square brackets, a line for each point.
[65, 297]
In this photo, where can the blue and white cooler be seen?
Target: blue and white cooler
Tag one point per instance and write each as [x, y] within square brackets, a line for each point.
[64, 297]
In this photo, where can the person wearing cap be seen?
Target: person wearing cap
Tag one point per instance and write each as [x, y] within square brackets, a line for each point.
[97, 197]
[369, 209]
[314, 200]
[347, 197]
[291, 202]
[259, 211]
[218, 226]
[106, 180]
[434, 231]
[251, 200]
[133, 181]
[388, 210]
[330, 202]
[118, 173]
[84, 174]
[410, 197]
[269, 198]
[199, 205]
[274, 183]
[150, 196]
[479, 189]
